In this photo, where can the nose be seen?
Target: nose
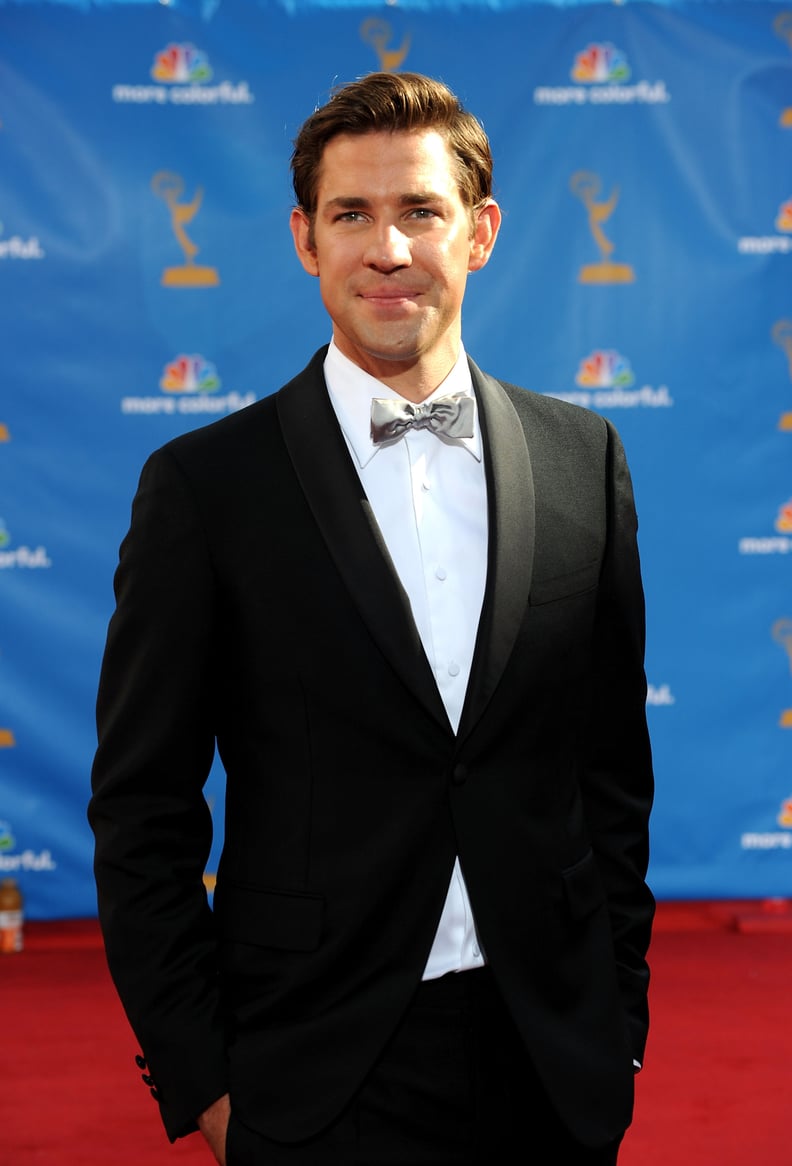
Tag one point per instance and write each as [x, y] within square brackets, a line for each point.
[388, 248]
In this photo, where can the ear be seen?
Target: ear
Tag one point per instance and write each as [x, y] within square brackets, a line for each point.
[301, 233]
[488, 221]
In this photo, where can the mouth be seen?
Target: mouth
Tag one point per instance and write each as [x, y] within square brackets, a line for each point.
[389, 297]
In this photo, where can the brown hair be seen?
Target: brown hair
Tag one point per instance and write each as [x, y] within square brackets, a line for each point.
[394, 102]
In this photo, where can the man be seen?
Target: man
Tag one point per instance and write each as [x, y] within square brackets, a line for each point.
[417, 640]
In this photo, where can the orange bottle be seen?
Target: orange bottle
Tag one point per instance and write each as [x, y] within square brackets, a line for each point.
[11, 917]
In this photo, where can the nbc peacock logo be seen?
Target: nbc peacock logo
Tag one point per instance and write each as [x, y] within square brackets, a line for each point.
[181, 73]
[769, 840]
[181, 65]
[776, 544]
[21, 556]
[784, 220]
[189, 385]
[783, 522]
[606, 369]
[600, 73]
[604, 379]
[27, 859]
[600, 64]
[779, 244]
[190, 374]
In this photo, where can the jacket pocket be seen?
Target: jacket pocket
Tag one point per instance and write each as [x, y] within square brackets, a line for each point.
[289, 920]
[565, 586]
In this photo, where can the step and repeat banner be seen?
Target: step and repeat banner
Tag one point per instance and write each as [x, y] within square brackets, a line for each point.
[148, 285]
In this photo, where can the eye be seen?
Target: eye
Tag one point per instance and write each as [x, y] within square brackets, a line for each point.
[350, 217]
[423, 212]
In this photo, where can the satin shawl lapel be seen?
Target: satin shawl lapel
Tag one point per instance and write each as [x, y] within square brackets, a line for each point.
[512, 528]
[335, 495]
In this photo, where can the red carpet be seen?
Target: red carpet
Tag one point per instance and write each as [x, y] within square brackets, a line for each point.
[716, 1089]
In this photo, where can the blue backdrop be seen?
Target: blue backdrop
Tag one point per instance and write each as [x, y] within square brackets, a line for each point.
[149, 285]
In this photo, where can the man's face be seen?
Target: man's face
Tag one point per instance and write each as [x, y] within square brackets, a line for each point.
[392, 244]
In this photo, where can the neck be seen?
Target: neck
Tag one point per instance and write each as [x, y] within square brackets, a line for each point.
[414, 386]
[414, 379]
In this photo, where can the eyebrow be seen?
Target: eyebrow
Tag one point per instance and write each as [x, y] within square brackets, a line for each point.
[356, 202]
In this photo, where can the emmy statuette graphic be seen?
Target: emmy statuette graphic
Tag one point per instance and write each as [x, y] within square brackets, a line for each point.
[587, 187]
[782, 634]
[170, 188]
[782, 334]
[379, 34]
[782, 26]
[210, 878]
[6, 739]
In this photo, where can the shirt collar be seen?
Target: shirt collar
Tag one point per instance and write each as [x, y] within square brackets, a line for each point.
[352, 390]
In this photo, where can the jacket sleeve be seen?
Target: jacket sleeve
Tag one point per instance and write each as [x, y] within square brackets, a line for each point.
[618, 784]
[151, 822]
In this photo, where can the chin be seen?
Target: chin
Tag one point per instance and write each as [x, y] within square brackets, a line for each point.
[378, 349]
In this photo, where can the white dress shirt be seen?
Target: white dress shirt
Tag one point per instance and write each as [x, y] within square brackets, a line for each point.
[429, 497]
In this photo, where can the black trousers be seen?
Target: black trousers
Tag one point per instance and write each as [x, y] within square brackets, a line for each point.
[454, 1087]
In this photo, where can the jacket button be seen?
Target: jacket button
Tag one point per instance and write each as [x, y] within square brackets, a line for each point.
[141, 1062]
[459, 774]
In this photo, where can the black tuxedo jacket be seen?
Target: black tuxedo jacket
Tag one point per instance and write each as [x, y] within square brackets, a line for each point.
[257, 608]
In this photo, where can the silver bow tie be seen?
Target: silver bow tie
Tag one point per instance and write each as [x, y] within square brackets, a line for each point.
[447, 416]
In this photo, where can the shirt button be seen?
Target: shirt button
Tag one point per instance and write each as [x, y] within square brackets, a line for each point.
[459, 774]
[453, 669]
[441, 574]
[425, 486]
